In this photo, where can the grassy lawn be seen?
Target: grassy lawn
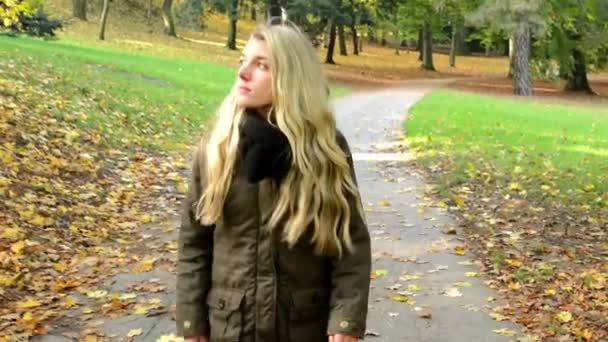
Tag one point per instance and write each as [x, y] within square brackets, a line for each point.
[529, 183]
[538, 148]
[149, 99]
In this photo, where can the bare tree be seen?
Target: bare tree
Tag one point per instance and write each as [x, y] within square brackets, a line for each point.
[79, 9]
[168, 18]
[104, 18]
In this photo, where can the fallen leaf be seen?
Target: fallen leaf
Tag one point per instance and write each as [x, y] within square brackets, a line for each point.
[564, 316]
[462, 284]
[91, 338]
[145, 265]
[498, 317]
[472, 274]
[170, 338]
[460, 250]
[87, 310]
[18, 247]
[505, 332]
[393, 314]
[453, 292]
[384, 203]
[97, 294]
[414, 287]
[378, 273]
[134, 332]
[28, 303]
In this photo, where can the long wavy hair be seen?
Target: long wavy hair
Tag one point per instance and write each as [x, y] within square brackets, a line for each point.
[315, 191]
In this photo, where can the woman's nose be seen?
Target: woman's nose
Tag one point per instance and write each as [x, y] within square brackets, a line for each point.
[244, 73]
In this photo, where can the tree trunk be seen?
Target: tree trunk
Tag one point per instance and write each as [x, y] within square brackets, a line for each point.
[149, 11]
[419, 44]
[275, 8]
[104, 17]
[353, 30]
[254, 14]
[577, 79]
[454, 44]
[461, 44]
[371, 38]
[522, 84]
[360, 46]
[511, 54]
[427, 42]
[79, 9]
[329, 59]
[231, 43]
[168, 18]
[342, 40]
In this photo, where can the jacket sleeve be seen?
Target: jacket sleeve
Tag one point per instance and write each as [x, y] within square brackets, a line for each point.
[195, 247]
[351, 273]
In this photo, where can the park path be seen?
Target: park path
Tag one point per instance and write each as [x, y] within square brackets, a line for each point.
[421, 290]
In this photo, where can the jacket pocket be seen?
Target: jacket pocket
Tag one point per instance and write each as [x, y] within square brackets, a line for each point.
[225, 316]
[308, 316]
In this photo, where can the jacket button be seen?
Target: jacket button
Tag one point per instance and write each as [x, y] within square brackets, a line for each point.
[344, 324]
[222, 304]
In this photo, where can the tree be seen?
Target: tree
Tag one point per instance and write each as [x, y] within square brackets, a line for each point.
[79, 9]
[274, 8]
[329, 57]
[342, 40]
[231, 43]
[104, 17]
[427, 46]
[578, 37]
[168, 18]
[520, 18]
[420, 18]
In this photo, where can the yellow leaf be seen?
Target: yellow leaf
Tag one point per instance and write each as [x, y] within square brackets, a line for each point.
[61, 267]
[125, 296]
[145, 218]
[28, 317]
[514, 286]
[550, 292]
[155, 301]
[12, 233]
[141, 310]
[472, 274]
[564, 316]
[182, 188]
[134, 332]
[513, 262]
[504, 332]
[453, 292]
[91, 338]
[28, 303]
[18, 247]
[38, 220]
[69, 302]
[498, 317]
[515, 186]
[584, 333]
[87, 310]
[462, 284]
[459, 201]
[384, 203]
[97, 294]
[144, 266]
[490, 299]
[460, 250]
[414, 287]
[170, 338]
[378, 273]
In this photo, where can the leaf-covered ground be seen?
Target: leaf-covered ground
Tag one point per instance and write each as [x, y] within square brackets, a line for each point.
[529, 182]
[71, 202]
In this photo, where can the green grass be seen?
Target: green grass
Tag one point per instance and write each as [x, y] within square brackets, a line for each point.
[538, 148]
[157, 101]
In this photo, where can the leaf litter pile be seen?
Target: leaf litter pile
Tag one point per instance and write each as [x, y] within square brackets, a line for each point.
[545, 250]
[70, 206]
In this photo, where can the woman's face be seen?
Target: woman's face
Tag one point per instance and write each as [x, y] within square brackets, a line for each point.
[254, 81]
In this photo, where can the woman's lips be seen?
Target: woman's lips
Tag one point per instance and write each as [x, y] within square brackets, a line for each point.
[244, 90]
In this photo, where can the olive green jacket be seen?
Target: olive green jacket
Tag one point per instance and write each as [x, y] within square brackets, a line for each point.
[237, 282]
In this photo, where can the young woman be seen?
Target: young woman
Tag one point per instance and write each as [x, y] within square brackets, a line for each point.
[273, 245]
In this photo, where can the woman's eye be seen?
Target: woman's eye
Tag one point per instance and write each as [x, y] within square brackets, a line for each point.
[262, 66]
[240, 61]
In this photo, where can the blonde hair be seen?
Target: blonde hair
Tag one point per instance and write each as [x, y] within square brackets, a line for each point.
[316, 189]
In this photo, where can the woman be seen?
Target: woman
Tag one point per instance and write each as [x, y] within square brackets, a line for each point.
[273, 246]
